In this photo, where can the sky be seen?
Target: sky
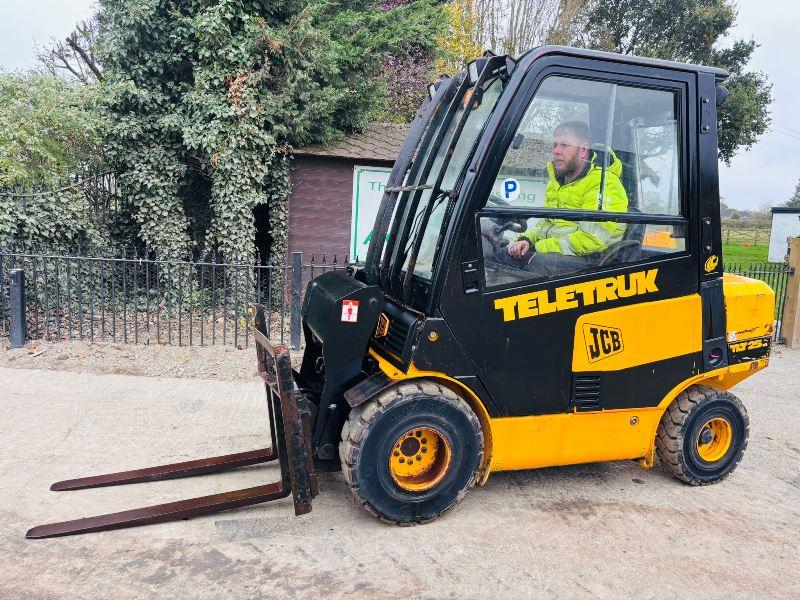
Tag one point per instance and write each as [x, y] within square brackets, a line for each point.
[767, 173]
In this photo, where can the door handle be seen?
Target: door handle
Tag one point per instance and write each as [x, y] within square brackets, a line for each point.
[469, 275]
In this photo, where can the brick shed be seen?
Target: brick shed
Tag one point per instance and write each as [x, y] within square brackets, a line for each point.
[334, 183]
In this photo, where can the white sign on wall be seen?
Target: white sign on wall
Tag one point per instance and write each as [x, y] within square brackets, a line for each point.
[368, 186]
[785, 224]
[521, 191]
[370, 182]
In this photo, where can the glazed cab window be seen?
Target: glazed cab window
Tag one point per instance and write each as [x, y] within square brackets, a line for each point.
[591, 146]
[474, 125]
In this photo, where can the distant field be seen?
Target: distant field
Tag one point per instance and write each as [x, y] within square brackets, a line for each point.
[739, 235]
[739, 254]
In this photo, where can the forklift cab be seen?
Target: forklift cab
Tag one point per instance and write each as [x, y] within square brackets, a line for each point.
[478, 181]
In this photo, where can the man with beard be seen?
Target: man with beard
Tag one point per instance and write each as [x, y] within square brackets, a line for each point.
[577, 174]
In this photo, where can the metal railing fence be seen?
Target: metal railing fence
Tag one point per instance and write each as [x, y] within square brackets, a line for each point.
[128, 298]
[124, 297]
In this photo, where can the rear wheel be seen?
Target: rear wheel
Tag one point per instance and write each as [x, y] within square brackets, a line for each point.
[411, 453]
[702, 435]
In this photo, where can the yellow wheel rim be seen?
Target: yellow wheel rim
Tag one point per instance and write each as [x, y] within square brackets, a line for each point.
[419, 459]
[714, 439]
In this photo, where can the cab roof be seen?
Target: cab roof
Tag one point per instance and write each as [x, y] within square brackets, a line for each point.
[542, 51]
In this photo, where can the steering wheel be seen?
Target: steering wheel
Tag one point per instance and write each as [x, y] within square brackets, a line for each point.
[492, 229]
[612, 252]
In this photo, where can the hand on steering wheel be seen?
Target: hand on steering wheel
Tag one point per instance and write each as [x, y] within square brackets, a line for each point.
[519, 249]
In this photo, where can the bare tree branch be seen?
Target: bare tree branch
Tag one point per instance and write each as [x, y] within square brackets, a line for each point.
[74, 57]
[514, 26]
[85, 54]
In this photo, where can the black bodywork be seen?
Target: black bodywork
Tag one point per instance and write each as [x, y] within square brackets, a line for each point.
[522, 367]
[334, 355]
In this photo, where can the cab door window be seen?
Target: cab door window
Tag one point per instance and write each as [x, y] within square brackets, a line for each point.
[608, 151]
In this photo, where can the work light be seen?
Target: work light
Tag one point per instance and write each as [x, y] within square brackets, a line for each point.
[431, 90]
[474, 70]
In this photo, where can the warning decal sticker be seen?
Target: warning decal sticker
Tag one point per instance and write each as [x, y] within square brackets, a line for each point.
[349, 311]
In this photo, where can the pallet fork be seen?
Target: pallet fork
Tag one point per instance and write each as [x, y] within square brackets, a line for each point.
[290, 432]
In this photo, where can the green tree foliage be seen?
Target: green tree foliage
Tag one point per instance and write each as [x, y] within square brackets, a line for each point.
[60, 220]
[207, 98]
[48, 129]
[691, 31]
[407, 72]
[794, 201]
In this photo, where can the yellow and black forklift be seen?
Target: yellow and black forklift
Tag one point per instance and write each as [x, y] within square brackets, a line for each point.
[544, 286]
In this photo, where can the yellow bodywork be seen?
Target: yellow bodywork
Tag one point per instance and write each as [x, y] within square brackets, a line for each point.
[650, 332]
[749, 307]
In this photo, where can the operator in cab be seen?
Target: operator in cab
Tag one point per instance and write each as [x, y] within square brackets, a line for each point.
[559, 246]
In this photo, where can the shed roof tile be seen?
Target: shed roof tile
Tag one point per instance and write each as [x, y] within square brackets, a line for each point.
[378, 141]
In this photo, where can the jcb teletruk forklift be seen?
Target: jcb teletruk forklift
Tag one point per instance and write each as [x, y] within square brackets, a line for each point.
[440, 360]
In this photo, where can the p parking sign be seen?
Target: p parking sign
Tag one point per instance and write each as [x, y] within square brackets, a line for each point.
[510, 189]
[523, 190]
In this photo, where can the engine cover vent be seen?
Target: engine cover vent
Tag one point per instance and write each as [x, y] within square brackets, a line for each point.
[395, 339]
[586, 392]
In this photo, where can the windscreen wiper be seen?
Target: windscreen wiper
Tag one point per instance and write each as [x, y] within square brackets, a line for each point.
[409, 188]
[416, 226]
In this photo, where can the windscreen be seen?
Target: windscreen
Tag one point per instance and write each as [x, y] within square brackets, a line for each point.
[476, 120]
[425, 208]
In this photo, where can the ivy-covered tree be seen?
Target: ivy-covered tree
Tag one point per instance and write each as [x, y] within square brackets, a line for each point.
[794, 201]
[207, 98]
[407, 71]
[691, 31]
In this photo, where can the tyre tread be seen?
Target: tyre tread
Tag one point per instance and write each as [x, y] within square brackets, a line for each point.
[362, 419]
[669, 440]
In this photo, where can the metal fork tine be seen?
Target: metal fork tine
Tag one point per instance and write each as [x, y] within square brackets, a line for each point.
[290, 432]
[161, 513]
[189, 468]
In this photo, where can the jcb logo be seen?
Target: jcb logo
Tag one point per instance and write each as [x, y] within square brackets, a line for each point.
[601, 342]
[711, 263]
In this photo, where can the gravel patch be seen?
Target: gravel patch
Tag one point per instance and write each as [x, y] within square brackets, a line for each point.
[226, 363]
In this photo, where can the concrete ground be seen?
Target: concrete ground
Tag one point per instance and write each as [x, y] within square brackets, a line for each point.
[600, 530]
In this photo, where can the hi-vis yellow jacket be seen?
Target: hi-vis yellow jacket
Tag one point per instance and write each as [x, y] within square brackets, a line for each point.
[585, 237]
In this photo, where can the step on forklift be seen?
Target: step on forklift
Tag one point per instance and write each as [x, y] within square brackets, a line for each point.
[544, 286]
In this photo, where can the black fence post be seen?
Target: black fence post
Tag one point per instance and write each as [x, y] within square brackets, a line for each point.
[297, 284]
[17, 307]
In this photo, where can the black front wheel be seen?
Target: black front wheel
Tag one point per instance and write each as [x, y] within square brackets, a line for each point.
[702, 435]
[410, 454]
